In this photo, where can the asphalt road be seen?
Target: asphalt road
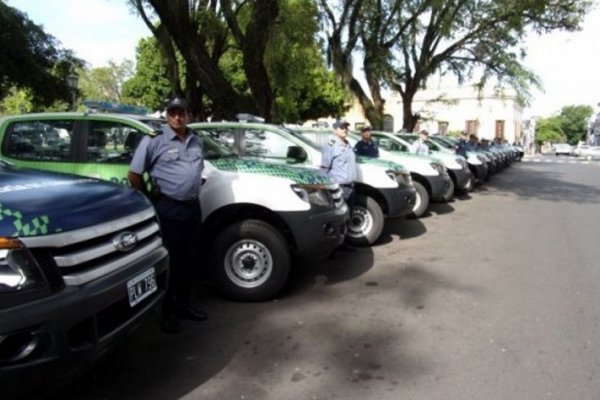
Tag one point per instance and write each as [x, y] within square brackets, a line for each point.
[492, 296]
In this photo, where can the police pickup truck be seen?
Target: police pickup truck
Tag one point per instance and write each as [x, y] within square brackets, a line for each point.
[257, 216]
[383, 189]
[81, 262]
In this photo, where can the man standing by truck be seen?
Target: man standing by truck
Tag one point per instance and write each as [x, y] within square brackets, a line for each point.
[419, 146]
[174, 161]
[338, 159]
[366, 147]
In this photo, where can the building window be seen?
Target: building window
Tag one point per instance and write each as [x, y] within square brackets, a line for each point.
[471, 127]
[499, 129]
[443, 127]
[388, 123]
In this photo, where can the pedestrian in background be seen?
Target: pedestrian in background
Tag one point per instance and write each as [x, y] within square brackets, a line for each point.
[366, 147]
[174, 161]
[419, 146]
[473, 143]
[461, 147]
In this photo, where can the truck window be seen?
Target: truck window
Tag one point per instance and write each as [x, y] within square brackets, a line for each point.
[266, 144]
[40, 140]
[111, 142]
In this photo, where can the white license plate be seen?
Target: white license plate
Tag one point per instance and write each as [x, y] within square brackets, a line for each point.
[141, 286]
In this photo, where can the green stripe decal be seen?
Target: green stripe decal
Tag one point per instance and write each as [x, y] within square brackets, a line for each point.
[296, 174]
[380, 162]
[36, 226]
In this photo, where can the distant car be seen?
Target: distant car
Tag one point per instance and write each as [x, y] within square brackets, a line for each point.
[593, 153]
[581, 150]
[563, 149]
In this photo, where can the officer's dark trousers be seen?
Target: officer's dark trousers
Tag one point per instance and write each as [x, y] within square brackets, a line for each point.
[180, 225]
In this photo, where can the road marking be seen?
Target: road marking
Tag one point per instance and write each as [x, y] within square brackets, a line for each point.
[554, 161]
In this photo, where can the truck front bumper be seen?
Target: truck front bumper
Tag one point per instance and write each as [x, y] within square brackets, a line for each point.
[317, 232]
[50, 338]
[400, 201]
[462, 176]
[439, 184]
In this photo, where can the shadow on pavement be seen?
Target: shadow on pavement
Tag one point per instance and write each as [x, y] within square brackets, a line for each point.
[403, 228]
[152, 365]
[537, 181]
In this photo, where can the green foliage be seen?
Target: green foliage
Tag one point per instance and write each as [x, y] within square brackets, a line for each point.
[32, 60]
[297, 77]
[105, 83]
[406, 42]
[149, 86]
[549, 130]
[305, 89]
[574, 122]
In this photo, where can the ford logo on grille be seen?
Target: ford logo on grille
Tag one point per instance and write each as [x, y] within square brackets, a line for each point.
[125, 241]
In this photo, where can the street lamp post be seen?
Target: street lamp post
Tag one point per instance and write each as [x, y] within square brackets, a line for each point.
[72, 82]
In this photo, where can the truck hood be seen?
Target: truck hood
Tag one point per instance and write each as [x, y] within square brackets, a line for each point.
[298, 175]
[388, 165]
[36, 203]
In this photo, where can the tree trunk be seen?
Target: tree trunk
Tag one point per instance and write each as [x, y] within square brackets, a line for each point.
[409, 119]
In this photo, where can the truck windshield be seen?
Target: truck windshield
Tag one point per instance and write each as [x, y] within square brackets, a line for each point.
[213, 150]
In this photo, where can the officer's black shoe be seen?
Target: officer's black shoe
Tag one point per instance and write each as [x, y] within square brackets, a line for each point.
[190, 312]
[170, 324]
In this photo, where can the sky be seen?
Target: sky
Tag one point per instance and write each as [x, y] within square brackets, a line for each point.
[98, 31]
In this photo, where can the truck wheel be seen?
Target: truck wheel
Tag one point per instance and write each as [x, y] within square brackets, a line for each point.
[449, 193]
[470, 185]
[421, 202]
[366, 221]
[250, 261]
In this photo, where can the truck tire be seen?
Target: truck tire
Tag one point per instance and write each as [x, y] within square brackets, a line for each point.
[422, 201]
[250, 261]
[366, 221]
[449, 193]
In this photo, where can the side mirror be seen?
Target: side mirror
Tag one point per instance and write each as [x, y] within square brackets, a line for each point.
[296, 154]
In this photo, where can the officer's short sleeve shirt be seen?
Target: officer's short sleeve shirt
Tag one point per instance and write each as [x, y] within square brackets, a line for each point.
[339, 161]
[174, 166]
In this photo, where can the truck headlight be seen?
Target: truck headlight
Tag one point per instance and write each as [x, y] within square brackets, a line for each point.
[18, 269]
[401, 177]
[314, 194]
[440, 169]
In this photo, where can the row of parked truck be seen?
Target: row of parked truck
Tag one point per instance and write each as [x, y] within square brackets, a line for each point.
[82, 261]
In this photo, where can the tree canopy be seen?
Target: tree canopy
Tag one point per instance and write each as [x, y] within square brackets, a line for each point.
[574, 122]
[271, 58]
[406, 42]
[32, 60]
[257, 57]
[549, 130]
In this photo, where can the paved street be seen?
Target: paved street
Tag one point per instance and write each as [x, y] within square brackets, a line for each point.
[493, 296]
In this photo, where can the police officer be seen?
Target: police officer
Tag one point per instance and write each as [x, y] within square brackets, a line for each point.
[174, 161]
[338, 159]
[367, 146]
[461, 147]
[419, 146]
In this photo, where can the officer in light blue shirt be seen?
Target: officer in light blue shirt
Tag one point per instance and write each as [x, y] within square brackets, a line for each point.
[338, 159]
[173, 159]
[419, 146]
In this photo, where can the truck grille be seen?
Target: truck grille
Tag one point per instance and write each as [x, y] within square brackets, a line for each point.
[89, 253]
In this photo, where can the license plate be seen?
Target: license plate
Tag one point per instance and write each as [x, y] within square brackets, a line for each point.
[141, 286]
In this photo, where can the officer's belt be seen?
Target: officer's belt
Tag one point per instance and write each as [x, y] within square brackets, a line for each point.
[194, 201]
[347, 185]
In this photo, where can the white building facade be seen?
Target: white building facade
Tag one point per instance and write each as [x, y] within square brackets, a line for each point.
[490, 114]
